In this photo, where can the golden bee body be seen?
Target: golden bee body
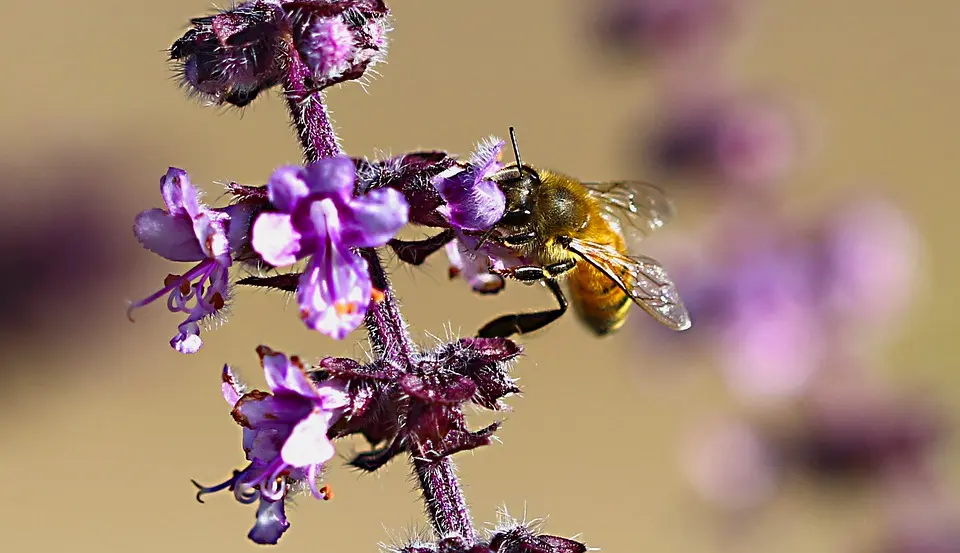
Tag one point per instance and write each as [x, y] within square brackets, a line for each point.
[571, 230]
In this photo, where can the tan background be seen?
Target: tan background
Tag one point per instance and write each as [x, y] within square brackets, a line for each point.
[104, 424]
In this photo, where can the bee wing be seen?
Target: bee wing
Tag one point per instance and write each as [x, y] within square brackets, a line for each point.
[641, 205]
[643, 279]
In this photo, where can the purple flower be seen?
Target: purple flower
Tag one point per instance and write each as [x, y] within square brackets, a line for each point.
[479, 265]
[340, 41]
[233, 56]
[664, 27]
[190, 231]
[318, 217]
[330, 47]
[732, 465]
[473, 201]
[777, 300]
[746, 142]
[284, 438]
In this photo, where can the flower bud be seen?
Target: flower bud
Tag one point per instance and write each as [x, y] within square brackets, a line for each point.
[230, 57]
[339, 41]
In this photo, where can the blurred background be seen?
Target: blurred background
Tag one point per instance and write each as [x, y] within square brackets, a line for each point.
[811, 150]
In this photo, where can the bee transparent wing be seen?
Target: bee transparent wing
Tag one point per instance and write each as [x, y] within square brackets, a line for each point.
[641, 205]
[643, 279]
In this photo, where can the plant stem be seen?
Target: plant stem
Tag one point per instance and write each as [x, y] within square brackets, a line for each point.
[309, 112]
[443, 497]
[387, 330]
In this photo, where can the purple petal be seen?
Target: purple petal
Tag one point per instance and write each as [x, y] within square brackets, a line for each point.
[263, 444]
[167, 236]
[476, 208]
[332, 177]
[230, 386]
[188, 339]
[286, 187]
[212, 234]
[271, 522]
[308, 443]
[332, 395]
[275, 239]
[284, 375]
[173, 187]
[485, 160]
[474, 268]
[334, 292]
[373, 219]
[259, 410]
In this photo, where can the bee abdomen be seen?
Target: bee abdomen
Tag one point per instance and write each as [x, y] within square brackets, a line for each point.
[599, 302]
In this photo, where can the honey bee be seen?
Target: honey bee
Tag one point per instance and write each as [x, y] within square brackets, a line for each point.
[566, 228]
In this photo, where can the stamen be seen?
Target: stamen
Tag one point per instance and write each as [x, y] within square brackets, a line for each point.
[377, 295]
[217, 301]
[343, 307]
[204, 490]
[327, 492]
[246, 494]
[171, 280]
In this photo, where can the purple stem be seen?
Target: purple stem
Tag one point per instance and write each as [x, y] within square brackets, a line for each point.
[385, 325]
[309, 112]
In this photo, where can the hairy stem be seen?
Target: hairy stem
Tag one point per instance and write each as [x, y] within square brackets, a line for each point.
[387, 330]
[443, 497]
[309, 112]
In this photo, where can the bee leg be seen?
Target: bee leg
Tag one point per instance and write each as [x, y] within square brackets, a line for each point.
[519, 239]
[522, 323]
[415, 253]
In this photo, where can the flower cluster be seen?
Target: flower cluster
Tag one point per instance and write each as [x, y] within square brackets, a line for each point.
[778, 304]
[233, 56]
[426, 398]
[330, 215]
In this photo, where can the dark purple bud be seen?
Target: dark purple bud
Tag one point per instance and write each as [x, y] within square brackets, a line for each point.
[520, 539]
[411, 174]
[244, 192]
[453, 544]
[659, 28]
[867, 437]
[440, 430]
[416, 252]
[352, 370]
[284, 282]
[486, 361]
[746, 142]
[371, 461]
[438, 387]
[339, 41]
[230, 57]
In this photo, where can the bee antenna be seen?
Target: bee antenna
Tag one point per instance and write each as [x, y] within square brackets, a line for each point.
[516, 151]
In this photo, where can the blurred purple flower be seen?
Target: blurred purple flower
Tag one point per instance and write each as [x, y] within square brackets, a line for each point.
[284, 438]
[746, 142]
[778, 302]
[190, 231]
[857, 432]
[732, 465]
[473, 201]
[318, 217]
[846, 433]
[872, 253]
[663, 28]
